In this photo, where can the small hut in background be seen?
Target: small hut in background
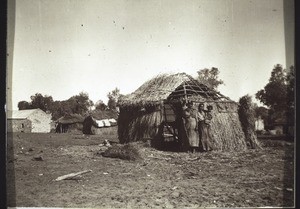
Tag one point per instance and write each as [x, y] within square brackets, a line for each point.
[69, 123]
[154, 112]
[96, 120]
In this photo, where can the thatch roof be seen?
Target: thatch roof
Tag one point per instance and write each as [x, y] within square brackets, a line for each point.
[70, 119]
[103, 114]
[171, 87]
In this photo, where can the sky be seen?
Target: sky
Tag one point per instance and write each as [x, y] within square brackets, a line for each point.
[64, 47]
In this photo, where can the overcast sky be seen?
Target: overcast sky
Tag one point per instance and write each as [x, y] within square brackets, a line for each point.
[63, 47]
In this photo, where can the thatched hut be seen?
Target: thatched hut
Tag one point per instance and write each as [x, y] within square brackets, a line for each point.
[154, 112]
[96, 120]
[69, 123]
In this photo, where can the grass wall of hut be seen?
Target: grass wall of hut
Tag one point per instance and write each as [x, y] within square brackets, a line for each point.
[226, 130]
[135, 124]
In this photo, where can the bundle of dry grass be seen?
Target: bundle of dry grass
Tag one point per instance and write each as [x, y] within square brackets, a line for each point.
[226, 130]
[246, 116]
[124, 152]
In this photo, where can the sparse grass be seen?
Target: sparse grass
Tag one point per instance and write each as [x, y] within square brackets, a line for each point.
[251, 178]
[110, 131]
[274, 143]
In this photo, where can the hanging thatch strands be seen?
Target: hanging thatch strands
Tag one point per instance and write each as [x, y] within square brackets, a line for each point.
[246, 115]
[142, 114]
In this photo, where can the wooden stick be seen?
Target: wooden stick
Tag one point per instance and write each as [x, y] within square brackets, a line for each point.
[71, 175]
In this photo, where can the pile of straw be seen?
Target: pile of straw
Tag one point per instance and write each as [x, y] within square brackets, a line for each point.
[124, 152]
[247, 118]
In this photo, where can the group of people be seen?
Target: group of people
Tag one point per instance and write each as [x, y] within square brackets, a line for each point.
[197, 127]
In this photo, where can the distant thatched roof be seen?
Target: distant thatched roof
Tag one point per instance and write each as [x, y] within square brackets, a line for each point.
[70, 119]
[171, 87]
[103, 114]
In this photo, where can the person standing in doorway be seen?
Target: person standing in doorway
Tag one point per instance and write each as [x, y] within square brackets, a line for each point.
[191, 126]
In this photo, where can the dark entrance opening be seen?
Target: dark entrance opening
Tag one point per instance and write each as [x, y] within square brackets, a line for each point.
[170, 134]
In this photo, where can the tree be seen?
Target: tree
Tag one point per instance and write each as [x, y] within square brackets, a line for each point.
[24, 105]
[56, 110]
[61, 108]
[291, 94]
[80, 104]
[113, 97]
[290, 79]
[42, 102]
[100, 105]
[210, 77]
[276, 93]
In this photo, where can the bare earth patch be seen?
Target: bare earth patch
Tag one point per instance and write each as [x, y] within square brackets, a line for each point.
[252, 178]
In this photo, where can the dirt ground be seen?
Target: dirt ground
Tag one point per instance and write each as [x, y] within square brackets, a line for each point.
[252, 178]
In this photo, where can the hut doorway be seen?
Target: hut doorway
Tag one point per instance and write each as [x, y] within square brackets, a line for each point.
[171, 128]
